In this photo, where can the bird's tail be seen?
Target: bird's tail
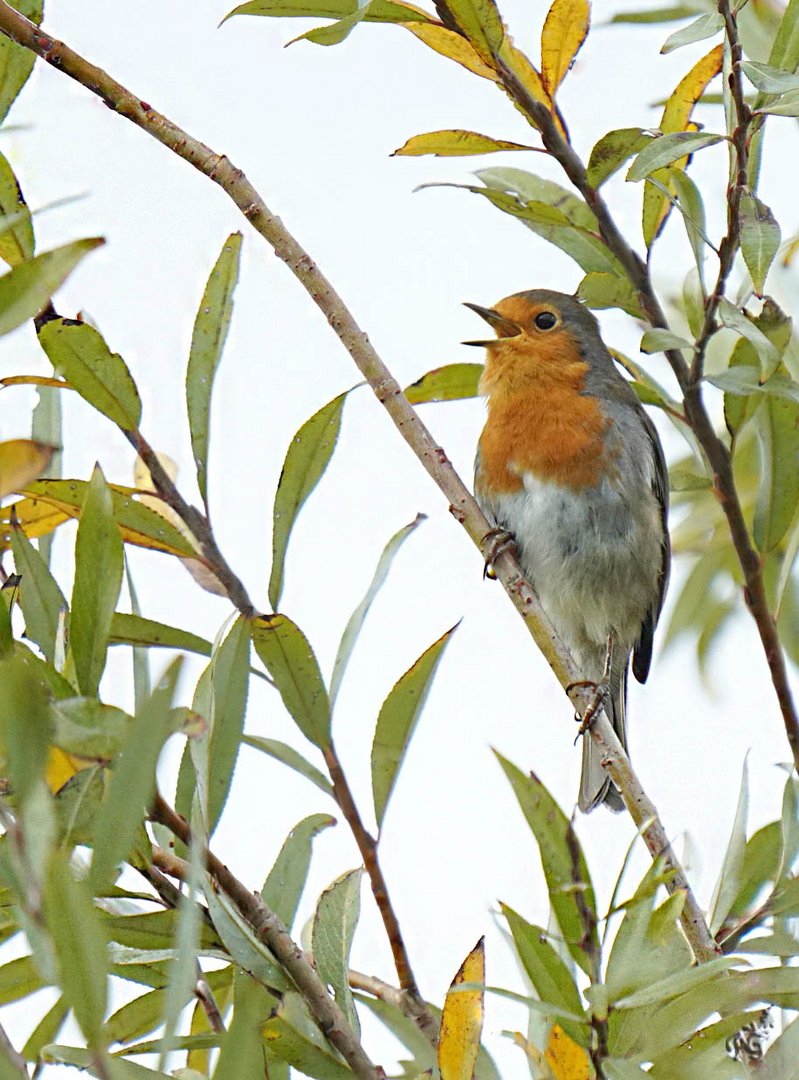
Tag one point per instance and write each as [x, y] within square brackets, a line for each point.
[596, 786]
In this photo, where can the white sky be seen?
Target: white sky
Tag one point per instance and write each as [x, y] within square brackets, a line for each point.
[313, 128]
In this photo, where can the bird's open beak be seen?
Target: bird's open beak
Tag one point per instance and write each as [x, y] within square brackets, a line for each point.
[503, 327]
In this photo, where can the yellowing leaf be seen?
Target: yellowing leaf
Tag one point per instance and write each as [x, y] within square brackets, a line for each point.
[565, 1058]
[677, 117]
[688, 91]
[34, 380]
[462, 1019]
[450, 44]
[61, 767]
[565, 30]
[478, 21]
[21, 460]
[454, 143]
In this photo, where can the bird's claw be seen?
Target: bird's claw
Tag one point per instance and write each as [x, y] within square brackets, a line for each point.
[495, 543]
[597, 703]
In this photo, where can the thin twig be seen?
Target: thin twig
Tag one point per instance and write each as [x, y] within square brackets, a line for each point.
[270, 929]
[739, 141]
[367, 845]
[205, 996]
[462, 504]
[383, 991]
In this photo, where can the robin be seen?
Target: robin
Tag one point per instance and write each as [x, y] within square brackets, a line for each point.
[570, 469]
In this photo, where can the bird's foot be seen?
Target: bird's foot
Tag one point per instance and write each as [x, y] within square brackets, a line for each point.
[601, 692]
[495, 543]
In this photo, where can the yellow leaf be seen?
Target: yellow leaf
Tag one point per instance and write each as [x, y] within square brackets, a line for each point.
[204, 577]
[35, 380]
[677, 117]
[565, 30]
[22, 460]
[450, 44]
[531, 80]
[454, 143]
[462, 1019]
[688, 91]
[566, 1060]
[61, 767]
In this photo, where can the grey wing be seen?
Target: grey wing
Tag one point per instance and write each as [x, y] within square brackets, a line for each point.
[484, 501]
[642, 653]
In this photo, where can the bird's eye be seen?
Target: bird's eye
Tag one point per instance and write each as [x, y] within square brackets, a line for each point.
[545, 320]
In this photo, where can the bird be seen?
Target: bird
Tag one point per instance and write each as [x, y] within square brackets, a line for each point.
[571, 472]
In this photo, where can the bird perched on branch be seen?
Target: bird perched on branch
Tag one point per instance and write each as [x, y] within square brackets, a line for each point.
[570, 469]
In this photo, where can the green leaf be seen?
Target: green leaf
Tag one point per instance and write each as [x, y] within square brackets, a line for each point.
[657, 340]
[618, 1068]
[336, 32]
[332, 930]
[612, 150]
[18, 979]
[609, 291]
[666, 149]
[397, 721]
[46, 1030]
[677, 984]
[16, 228]
[700, 29]
[134, 630]
[299, 1048]
[356, 620]
[78, 803]
[777, 425]
[229, 675]
[782, 1055]
[760, 867]
[287, 755]
[289, 659]
[80, 946]
[306, 460]
[40, 597]
[184, 969]
[704, 1054]
[564, 866]
[453, 382]
[133, 780]
[86, 727]
[769, 79]
[16, 62]
[25, 724]
[760, 238]
[136, 1018]
[115, 1068]
[692, 209]
[787, 105]
[244, 947]
[285, 882]
[454, 143]
[551, 978]
[729, 880]
[786, 899]
[154, 931]
[26, 288]
[535, 189]
[785, 50]
[789, 825]
[101, 377]
[98, 577]
[207, 342]
[243, 1055]
[667, 13]
[379, 10]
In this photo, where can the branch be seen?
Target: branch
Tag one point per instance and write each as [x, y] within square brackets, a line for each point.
[269, 928]
[367, 845]
[388, 391]
[739, 140]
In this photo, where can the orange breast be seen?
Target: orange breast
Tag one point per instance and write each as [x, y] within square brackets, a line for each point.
[542, 425]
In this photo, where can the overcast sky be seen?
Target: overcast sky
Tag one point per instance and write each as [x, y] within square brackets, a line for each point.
[313, 129]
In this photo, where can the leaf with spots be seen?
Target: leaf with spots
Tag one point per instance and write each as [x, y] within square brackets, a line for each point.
[462, 1019]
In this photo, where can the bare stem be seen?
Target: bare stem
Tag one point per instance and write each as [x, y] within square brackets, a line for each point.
[269, 928]
[462, 504]
[367, 845]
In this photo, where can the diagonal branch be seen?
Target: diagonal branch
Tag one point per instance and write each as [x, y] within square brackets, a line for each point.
[462, 504]
[276, 937]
